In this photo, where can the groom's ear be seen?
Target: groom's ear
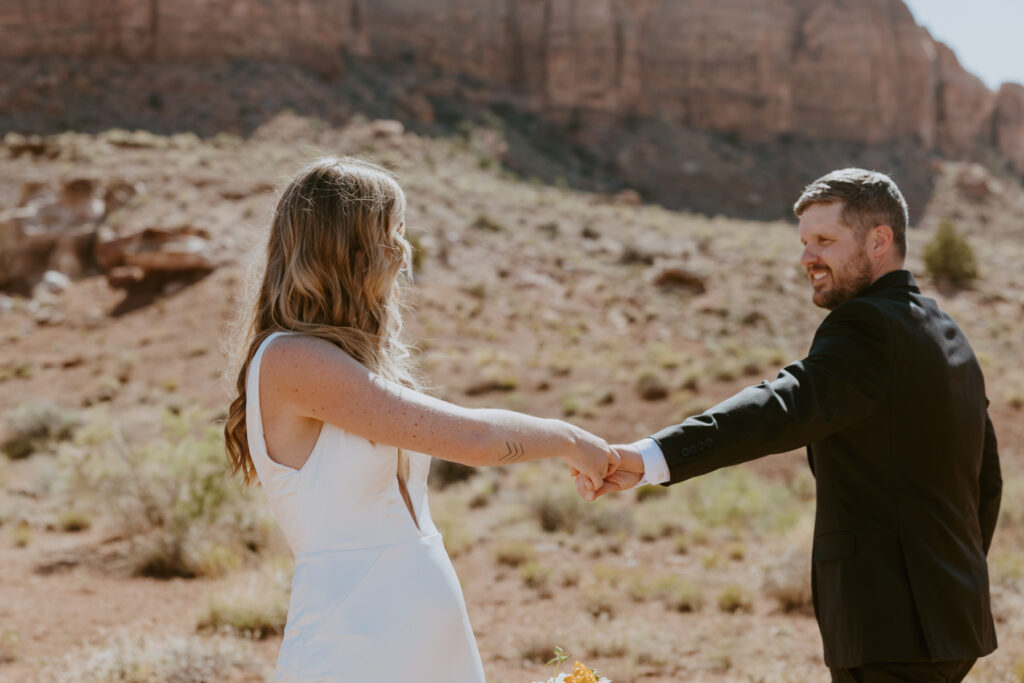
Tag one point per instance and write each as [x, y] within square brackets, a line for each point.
[880, 240]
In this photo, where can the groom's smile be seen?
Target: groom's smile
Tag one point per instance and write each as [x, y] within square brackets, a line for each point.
[834, 257]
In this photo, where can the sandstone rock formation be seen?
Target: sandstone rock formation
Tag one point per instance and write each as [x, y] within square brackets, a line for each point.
[64, 228]
[627, 79]
[52, 228]
[759, 69]
[312, 33]
[1009, 124]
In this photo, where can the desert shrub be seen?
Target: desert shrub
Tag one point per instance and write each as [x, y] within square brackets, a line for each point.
[514, 553]
[740, 499]
[948, 255]
[452, 519]
[535, 574]
[678, 593]
[172, 496]
[419, 252]
[639, 586]
[736, 551]
[787, 575]
[568, 577]
[159, 659]
[659, 519]
[443, 473]
[487, 223]
[22, 534]
[257, 609]
[558, 509]
[73, 520]
[645, 493]
[734, 598]
[534, 646]
[10, 645]
[33, 425]
[598, 600]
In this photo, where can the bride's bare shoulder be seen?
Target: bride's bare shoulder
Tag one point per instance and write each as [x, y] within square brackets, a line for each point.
[297, 359]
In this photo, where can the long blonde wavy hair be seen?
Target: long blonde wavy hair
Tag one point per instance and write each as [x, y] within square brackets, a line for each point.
[335, 254]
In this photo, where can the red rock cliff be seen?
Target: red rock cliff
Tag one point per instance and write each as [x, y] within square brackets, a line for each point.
[859, 71]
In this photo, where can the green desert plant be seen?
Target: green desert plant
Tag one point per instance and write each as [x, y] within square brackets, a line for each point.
[678, 593]
[734, 598]
[10, 645]
[33, 425]
[172, 496]
[514, 553]
[948, 256]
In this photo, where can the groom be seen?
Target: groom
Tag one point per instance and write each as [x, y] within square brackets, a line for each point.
[890, 402]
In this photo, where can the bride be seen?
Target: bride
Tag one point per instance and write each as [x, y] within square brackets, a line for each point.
[329, 418]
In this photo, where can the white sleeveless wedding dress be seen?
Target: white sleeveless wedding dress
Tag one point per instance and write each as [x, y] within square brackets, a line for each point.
[374, 598]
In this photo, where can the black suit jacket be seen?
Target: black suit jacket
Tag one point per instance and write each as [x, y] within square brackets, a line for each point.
[891, 405]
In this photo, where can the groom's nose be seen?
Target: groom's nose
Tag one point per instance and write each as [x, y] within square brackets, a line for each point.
[809, 257]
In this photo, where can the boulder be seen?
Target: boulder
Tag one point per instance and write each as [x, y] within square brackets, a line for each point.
[59, 232]
[976, 182]
[679, 276]
[52, 229]
[131, 256]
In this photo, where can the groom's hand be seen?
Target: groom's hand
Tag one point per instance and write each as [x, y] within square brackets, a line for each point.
[626, 476]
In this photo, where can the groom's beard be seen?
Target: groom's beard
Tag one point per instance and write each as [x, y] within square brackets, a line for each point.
[852, 279]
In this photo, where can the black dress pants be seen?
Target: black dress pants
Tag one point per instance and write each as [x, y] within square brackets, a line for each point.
[918, 672]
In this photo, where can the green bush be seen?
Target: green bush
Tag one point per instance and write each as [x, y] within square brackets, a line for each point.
[257, 609]
[735, 598]
[31, 426]
[172, 496]
[948, 256]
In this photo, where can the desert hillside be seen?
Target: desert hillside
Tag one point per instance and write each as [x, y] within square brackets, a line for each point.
[127, 552]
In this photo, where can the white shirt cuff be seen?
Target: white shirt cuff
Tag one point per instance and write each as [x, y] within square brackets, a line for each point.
[655, 467]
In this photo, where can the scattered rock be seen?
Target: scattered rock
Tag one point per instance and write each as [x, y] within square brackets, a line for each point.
[131, 258]
[386, 128]
[137, 139]
[976, 182]
[679, 276]
[52, 229]
[628, 197]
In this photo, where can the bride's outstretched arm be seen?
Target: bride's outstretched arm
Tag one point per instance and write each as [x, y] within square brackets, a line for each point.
[311, 378]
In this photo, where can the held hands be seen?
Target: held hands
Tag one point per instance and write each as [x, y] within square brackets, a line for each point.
[591, 460]
[625, 475]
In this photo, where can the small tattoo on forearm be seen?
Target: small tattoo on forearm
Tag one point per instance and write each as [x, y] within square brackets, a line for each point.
[515, 451]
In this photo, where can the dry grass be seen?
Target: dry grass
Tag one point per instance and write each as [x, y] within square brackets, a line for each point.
[514, 553]
[184, 516]
[257, 609]
[787, 575]
[10, 645]
[157, 659]
[33, 425]
[734, 598]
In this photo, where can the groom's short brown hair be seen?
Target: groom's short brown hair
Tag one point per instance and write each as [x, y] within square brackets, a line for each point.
[869, 199]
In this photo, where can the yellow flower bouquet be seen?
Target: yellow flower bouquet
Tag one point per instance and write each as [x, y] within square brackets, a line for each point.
[580, 672]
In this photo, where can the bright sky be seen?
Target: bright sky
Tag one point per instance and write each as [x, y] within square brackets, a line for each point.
[986, 35]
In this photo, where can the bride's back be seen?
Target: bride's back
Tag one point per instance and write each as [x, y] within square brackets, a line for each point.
[346, 495]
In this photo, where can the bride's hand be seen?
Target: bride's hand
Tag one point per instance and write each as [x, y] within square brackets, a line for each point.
[625, 476]
[591, 459]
